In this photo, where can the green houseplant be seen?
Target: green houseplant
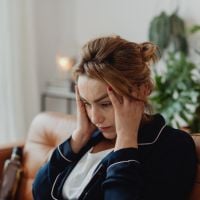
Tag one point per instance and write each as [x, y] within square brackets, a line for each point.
[177, 93]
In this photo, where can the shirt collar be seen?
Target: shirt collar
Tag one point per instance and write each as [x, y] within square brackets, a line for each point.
[150, 131]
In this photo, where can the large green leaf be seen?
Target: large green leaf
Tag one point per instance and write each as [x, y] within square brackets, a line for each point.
[177, 95]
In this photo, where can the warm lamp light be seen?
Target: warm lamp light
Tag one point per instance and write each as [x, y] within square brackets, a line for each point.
[64, 80]
[65, 63]
[64, 69]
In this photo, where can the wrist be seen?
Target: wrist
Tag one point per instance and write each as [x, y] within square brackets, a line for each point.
[123, 142]
[78, 140]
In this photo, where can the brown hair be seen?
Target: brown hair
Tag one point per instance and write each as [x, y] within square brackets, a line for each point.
[118, 62]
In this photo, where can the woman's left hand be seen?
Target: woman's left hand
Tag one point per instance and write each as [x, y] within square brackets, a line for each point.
[128, 115]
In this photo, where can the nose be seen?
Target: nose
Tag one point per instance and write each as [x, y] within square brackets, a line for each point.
[96, 116]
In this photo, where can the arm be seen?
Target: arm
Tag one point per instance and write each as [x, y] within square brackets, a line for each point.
[64, 155]
[123, 177]
[171, 165]
[168, 173]
[123, 180]
[62, 158]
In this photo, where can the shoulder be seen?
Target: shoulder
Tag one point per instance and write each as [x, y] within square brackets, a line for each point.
[177, 138]
[156, 132]
[177, 150]
[163, 141]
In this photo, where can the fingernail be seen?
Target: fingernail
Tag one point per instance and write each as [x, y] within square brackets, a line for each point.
[109, 88]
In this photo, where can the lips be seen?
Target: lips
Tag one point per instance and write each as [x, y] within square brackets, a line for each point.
[104, 128]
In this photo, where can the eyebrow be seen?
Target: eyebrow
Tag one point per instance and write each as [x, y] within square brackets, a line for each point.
[98, 99]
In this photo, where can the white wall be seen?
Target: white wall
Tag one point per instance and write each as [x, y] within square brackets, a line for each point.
[54, 35]
[64, 25]
[128, 18]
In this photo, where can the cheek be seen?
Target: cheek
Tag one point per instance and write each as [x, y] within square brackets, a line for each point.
[107, 113]
[110, 114]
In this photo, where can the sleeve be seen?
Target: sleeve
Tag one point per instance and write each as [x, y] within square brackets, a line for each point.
[123, 180]
[62, 157]
[167, 173]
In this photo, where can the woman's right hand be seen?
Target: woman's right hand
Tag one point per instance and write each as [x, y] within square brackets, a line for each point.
[84, 129]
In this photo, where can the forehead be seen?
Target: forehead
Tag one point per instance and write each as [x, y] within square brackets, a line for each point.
[90, 89]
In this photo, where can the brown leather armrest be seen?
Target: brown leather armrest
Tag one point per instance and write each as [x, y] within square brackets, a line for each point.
[6, 150]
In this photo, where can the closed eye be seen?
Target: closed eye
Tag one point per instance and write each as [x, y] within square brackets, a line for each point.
[103, 104]
[106, 104]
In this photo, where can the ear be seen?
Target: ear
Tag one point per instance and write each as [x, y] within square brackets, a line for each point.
[144, 90]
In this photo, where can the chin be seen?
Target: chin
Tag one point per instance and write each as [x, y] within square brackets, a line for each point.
[109, 136]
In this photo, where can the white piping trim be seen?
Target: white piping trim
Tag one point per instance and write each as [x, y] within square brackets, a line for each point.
[63, 155]
[126, 161]
[148, 143]
[53, 187]
[97, 170]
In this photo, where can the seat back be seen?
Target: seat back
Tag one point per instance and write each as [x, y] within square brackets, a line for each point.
[46, 132]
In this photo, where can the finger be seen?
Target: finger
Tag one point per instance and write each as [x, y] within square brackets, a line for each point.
[79, 102]
[126, 100]
[114, 100]
[137, 94]
[141, 91]
[77, 94]
[137, 104]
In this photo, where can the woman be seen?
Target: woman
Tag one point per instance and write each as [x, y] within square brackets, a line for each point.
[118, 150]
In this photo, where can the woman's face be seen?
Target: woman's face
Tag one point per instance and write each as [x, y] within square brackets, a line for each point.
[100, 111]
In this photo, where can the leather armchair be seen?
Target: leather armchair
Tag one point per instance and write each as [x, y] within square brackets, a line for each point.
[46, 132]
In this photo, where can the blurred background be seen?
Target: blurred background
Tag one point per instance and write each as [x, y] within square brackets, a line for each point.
[40, 41]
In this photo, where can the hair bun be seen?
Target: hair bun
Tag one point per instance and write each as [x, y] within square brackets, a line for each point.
[149, 52]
